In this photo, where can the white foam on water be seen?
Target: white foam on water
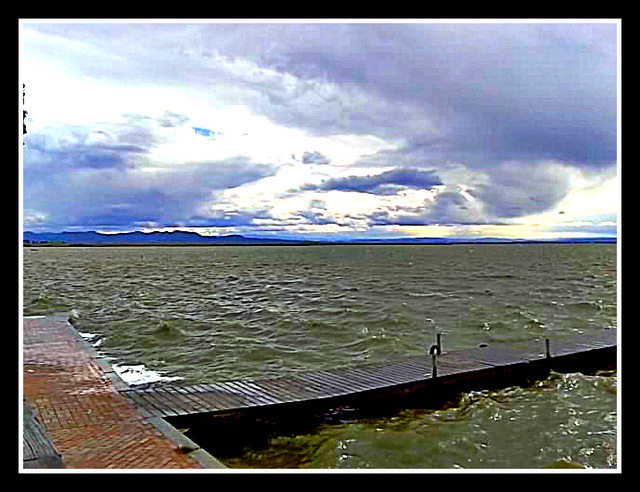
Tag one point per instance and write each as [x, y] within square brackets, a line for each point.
[86, 335]
[139, 374]
[132, 375]
[90, 337]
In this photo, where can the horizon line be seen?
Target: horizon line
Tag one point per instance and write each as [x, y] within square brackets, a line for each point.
[294, 238]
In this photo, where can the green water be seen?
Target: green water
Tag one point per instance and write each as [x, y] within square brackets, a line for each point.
[190, 315]
[565, 421]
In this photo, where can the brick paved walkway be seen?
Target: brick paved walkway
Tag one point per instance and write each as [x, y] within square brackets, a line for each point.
[80, 410]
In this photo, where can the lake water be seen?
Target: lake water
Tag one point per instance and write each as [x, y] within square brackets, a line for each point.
[188, 315]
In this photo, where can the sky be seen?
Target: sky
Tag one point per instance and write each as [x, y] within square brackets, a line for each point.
[322, 129]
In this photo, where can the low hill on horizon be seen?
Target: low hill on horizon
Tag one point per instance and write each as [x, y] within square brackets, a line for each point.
[184, 237]
[138, 237]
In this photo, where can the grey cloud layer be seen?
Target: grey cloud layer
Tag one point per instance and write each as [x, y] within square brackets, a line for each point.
[315, 157]
[521, 91]
[480, 92]
[97, 178]
[381, 184]
[517, 104]
[514, 192]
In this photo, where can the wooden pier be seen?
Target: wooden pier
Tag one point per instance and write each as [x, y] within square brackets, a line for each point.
[75, 416]
[456, 370]
[77, 413]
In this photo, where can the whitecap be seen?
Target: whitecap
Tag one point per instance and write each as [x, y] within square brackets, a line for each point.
[139, 374]
[87, 336]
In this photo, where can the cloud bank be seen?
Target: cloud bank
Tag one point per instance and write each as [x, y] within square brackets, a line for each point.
[390, 126]
[384, 183]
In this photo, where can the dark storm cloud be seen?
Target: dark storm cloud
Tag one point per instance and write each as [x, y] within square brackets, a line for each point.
[513, 191]
[478, 93]
[491, 92]
[77, 148]
[384, 183]
[90, 178]
[109, 197]
[482, 92]
[509, 191]
[101, 160]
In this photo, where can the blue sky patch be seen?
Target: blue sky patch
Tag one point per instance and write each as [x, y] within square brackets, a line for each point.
[205, 132]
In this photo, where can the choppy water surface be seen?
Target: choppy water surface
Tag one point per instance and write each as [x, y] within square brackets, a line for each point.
[565, 421]
[188, 315]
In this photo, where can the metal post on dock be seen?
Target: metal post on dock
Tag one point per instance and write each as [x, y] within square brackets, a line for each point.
[546, 344]
[434, 351]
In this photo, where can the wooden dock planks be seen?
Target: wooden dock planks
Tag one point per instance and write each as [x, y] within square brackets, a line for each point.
[38, 450]
[350, 381]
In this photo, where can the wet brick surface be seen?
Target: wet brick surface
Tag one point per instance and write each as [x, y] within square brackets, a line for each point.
[90, 424]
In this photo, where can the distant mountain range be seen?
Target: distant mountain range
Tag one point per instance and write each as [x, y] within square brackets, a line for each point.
[182, 237]
[176, 237]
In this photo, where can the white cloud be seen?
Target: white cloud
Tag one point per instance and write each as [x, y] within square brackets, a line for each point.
[33, 218]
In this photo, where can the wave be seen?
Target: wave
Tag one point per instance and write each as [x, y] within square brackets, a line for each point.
[585, 306]
[431, 294]
[314, 299]
[44, 304]
[139, 374]
[168, 329]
